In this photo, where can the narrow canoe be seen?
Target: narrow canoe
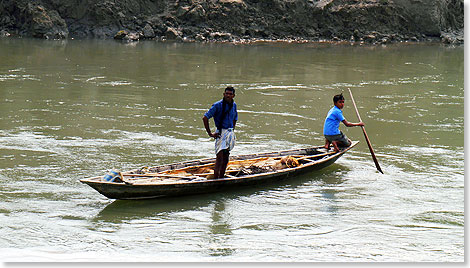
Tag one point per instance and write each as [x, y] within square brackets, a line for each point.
[195, 176]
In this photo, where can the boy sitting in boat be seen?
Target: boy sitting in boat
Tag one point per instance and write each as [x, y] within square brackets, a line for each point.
[331, 127]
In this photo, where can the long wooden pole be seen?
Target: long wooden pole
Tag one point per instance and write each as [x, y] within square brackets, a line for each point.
[365, 135]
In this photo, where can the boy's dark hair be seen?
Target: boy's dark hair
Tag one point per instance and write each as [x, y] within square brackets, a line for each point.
[230, 89]
[338, 97]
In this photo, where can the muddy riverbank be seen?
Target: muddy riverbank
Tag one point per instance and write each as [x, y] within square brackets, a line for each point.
[369, 21]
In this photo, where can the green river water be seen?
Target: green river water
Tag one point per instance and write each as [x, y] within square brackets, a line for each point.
[78, 108]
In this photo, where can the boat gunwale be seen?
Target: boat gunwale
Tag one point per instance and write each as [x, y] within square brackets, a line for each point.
[94, 180]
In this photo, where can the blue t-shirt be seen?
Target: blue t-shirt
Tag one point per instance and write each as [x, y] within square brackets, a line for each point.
[216, 112]
[333, 118]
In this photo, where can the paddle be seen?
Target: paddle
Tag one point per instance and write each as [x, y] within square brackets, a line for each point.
[365, 135]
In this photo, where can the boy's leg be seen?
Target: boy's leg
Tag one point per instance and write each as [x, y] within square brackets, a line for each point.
[335, 144]
[344, 141]
[327, 144]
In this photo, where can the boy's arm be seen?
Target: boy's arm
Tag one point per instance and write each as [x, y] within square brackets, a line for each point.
[349, 124]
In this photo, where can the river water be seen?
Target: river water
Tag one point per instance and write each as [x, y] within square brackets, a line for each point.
[78, 108]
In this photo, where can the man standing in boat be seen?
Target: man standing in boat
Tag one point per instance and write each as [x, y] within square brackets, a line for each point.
[225, 117]
[331, 127]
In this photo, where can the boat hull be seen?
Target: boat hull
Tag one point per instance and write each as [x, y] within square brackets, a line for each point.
[141, 191]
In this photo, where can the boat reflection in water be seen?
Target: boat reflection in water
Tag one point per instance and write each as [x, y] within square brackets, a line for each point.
[125, 210]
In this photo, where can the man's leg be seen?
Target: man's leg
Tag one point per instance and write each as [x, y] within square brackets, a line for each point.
[218, 164]
[223, 167]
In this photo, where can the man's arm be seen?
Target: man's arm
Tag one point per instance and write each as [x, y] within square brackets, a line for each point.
[234, 122]
[208, 129]
[349, 124]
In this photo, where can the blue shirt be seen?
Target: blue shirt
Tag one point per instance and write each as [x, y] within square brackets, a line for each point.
[333, 118]
[216, 112]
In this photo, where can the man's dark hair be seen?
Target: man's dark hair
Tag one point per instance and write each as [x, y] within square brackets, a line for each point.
[230, 89]
[338, 97]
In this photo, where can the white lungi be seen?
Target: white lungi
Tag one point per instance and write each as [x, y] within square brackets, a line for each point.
[226, 140]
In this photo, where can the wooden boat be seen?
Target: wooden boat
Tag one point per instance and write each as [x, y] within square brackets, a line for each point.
[196, 176]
